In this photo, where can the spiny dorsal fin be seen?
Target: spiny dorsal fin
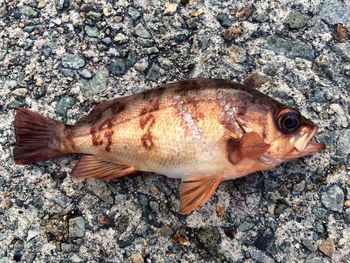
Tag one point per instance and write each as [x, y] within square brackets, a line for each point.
[195, 190]
[251, 145]
[90, 166]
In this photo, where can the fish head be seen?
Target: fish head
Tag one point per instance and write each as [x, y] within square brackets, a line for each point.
[290, 136]
[281, 131]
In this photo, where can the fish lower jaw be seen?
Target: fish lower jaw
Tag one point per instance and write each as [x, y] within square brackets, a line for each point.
[268, 160]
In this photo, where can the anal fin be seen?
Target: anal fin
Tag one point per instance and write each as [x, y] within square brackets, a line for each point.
[195, 190]
[90, 166]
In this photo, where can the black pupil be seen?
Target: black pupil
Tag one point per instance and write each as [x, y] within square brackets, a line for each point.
[291, 121]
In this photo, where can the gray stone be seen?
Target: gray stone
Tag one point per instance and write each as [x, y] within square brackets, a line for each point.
[32, 234]
[131, 59]
[100, 189]
[343, 49]
[145, 42]
[120, 38]
[118, 67]
[266, 241]
[97, 84]
[28, 11]
[73, 61]
[182, 35]
[18, 248]
[57, 21]
[134, 13]
[66, 248]
[320, 212]
[163, 187]
[151, 50]
[299, 187]
[153, 73]
[30, 257]
[15, 104]
[142, 65]
[319, 228]
[31, 28]
[86, 74]
[290, 48]
[76, 227]
[347, 216]
[308, 244]
[296, 20]
[271, 69]
[141, 31]
[210, 238]
[10, 84]
[2, 54]
[335, 13]
[92, 31]
[343, 144]
[3, 236]
[224, 19]
[245, 226]
[107, 40]
[333, 198]
[280, 208]
[95, 16]
[68, 72]
[260, 17]
[63, 105]
[147, 213]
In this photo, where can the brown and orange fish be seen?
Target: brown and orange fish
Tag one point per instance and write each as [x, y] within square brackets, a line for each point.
[202, 131]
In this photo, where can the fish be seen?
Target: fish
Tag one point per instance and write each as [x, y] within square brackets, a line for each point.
[202, 131]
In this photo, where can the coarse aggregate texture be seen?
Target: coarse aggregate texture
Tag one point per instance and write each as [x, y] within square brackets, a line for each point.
[60, 57]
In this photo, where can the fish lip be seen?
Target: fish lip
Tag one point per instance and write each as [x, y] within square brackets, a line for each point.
[310, 146]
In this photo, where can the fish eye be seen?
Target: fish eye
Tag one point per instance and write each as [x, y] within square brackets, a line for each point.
[289, 120]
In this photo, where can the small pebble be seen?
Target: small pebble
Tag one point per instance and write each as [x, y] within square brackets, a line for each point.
[333, 198]
[73, 61]
[327, 247]
[141, 31]
[76, 227]
[136, 258]
[170, 8]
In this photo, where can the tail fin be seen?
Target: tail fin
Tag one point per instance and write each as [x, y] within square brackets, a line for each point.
[37, 137]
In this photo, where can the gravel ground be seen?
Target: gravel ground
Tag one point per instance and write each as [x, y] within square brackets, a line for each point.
[61, 57]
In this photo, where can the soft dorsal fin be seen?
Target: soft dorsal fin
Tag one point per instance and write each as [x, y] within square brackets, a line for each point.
[251, 145]
[90, 166]
[195, 190]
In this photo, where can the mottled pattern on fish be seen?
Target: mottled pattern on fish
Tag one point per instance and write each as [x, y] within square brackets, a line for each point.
[173, 131]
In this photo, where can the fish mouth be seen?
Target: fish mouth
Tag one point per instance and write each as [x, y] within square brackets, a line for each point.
[304, 145]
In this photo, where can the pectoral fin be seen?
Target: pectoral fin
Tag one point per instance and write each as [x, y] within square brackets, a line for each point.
[90, 166]
[251, 145]
[195, 190]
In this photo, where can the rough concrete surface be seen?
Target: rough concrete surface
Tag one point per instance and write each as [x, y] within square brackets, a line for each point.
[60, 57]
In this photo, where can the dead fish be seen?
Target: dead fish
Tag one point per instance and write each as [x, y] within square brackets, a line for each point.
[202, 131]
